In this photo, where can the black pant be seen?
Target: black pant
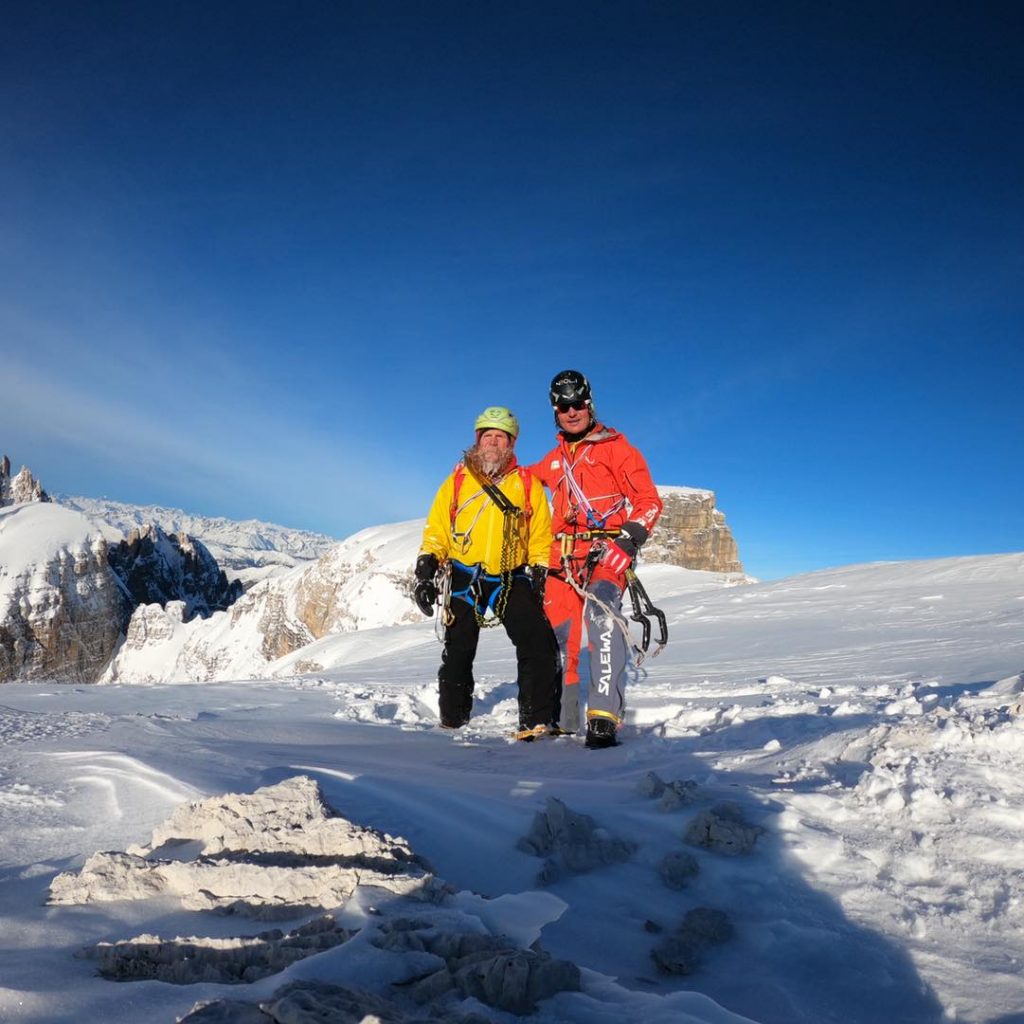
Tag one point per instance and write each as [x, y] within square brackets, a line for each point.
[539, 671]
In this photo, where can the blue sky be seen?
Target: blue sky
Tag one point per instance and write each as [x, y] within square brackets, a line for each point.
[268, 260]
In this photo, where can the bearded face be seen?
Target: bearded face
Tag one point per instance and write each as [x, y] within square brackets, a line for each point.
[489, 462]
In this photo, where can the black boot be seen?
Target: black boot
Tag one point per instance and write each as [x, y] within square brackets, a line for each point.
[600, 733]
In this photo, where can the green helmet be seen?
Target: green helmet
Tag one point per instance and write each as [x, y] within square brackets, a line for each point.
[497, 417]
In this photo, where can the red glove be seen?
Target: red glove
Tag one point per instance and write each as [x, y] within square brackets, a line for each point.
[618, 554]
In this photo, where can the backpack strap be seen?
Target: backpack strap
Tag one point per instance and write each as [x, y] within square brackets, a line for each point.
[457, 478]
[492, 491]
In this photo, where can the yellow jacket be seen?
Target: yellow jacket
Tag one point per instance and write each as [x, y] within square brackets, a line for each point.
[476, 535]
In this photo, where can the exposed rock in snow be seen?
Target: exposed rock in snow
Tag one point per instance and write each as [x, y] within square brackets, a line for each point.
[234, 960]
[156, 567]
[673, 794]
[651, 785]
[258, 887]
[701, 928]
[315, 1002]
[570, 840]
[21, 488]
[290, 817]
[61, 608]
[258, 855]
[723, 830]
[678, 869]
[487, 967]
[284, 846]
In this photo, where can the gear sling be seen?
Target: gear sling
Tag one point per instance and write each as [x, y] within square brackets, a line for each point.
[509, 598]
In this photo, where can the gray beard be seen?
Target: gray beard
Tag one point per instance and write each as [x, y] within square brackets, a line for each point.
[489, 466]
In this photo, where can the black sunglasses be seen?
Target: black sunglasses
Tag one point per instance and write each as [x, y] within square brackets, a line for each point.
[566, 406]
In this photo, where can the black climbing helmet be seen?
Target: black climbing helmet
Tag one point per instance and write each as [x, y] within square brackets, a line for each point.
[569, 387]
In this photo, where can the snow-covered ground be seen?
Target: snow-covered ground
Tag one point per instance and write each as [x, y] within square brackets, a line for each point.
[868, 721]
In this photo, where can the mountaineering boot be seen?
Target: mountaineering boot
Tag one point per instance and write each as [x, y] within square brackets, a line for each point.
[600, 733]
[528, 733]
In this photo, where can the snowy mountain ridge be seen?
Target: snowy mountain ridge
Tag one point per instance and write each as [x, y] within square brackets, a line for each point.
[246, 550]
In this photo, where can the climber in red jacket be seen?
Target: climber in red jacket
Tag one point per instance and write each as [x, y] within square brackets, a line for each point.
[604, 508]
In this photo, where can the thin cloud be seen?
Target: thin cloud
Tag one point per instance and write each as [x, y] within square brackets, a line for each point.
[206, 446]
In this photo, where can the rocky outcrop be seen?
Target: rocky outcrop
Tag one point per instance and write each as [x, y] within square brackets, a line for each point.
[282, 853]
[692, 533]
[62, 610]
[21, 488]
[361, 583]
[68, 587]
[156, 567]
[280, 848]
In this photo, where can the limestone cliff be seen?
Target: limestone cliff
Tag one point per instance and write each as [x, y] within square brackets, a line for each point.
[69, 585]
[361, 583]
[18, 489]
[156, 567]
[692, 533]
[61, 607]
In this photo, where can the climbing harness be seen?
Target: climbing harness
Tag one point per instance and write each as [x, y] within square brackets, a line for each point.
[642, 606]
[595, 522]
[473, 593]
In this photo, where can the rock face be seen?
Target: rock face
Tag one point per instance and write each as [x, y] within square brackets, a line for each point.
[282, 852]
[361, 583]
[249, 551]
[68, 588]
[692, 533]
[62, 610]
[21, 488]
[156, 567]
[262, 854]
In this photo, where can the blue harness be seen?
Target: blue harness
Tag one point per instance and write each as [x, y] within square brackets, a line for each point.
[482, 588]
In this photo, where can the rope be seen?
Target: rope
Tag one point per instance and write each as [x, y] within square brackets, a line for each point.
[614, 616]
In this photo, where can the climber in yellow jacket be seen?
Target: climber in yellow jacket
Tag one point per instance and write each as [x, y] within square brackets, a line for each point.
[487, 538]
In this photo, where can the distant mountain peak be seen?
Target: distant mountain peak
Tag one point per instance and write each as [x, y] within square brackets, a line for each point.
[20, 488]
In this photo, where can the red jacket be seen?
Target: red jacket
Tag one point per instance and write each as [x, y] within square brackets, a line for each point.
[597, 483]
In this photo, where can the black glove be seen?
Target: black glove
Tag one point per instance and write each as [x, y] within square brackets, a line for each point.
[631, 537]
[425, 592]
[426, 567]
[425, 595]
[620, 553]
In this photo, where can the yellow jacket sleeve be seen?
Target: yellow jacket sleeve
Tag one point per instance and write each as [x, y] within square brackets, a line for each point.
[540, 524]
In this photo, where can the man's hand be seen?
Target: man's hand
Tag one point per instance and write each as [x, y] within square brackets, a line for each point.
[425, 592]
[425, 595]
[618, 555]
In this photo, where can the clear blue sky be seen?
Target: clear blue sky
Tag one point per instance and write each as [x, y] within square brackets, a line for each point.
[270, 260]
